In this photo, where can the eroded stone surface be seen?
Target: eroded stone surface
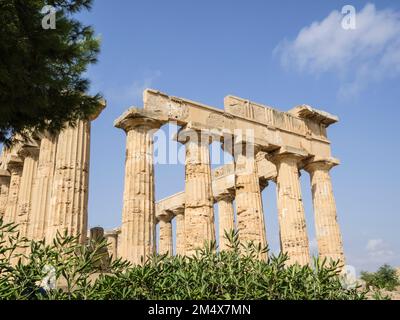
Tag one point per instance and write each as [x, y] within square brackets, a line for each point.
[327, 229]
[42, 188]
[69, 195]
[292, 223]
[199, 211]
[138, 216]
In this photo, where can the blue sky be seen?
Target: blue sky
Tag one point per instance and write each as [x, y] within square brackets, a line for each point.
[281, 53]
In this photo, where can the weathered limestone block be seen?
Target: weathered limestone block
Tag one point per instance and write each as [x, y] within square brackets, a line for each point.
[292, 224]
[69, 194]
[42, 187]
[112, 243]
[5, 178]
[328, 234]
[15, 166]
[138, 216]
[226, 218]
[30, 155]
[165, 245]
[199, 210]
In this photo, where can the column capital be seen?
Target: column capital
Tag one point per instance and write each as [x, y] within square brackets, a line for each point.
[135, 117]
[241, 145]
[15, 164]
[227, 195]
[165, 216]
[31, 151]
[178, 211]
[100, 108]
[287, 153]
[320, 163]
[190, 133]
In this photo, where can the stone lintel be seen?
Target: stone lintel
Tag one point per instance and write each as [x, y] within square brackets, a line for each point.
[174, 204]
[306, 112]
[223, 182]
[135, 117]
[272, 128]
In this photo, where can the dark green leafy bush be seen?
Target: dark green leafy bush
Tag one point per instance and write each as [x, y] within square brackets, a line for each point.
[233, 274]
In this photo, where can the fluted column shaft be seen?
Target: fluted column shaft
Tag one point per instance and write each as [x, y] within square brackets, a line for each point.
[226, 219]
[199, 210]
[327, 229]
[138, 218]
[69, 195]
[165, 244]
[30, 156]
[5, 178]
[180, 232]
[42, 188]
[249, 210]
[292, 223]
[10, 213]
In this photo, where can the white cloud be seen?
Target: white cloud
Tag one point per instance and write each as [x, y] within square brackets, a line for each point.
[132, 94]
[369, 53]
[378, 249]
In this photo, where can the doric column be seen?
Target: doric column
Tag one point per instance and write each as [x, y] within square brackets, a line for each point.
[292, 223]
[180, 231]
[15, 167]
[165, 241]
[5, 178]
[327, 229]
[42, 187]
[69, 192]
[30, 155]
[138, 216]
[112, 243]
[249, 209]
[199, 201]
[69, 195]
[225, 217]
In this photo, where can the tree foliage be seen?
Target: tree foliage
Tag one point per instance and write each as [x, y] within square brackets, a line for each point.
[41, 82]
[385, 278]
[233, 274]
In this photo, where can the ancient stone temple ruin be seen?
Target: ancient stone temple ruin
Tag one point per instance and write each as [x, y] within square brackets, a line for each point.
[44, 183]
